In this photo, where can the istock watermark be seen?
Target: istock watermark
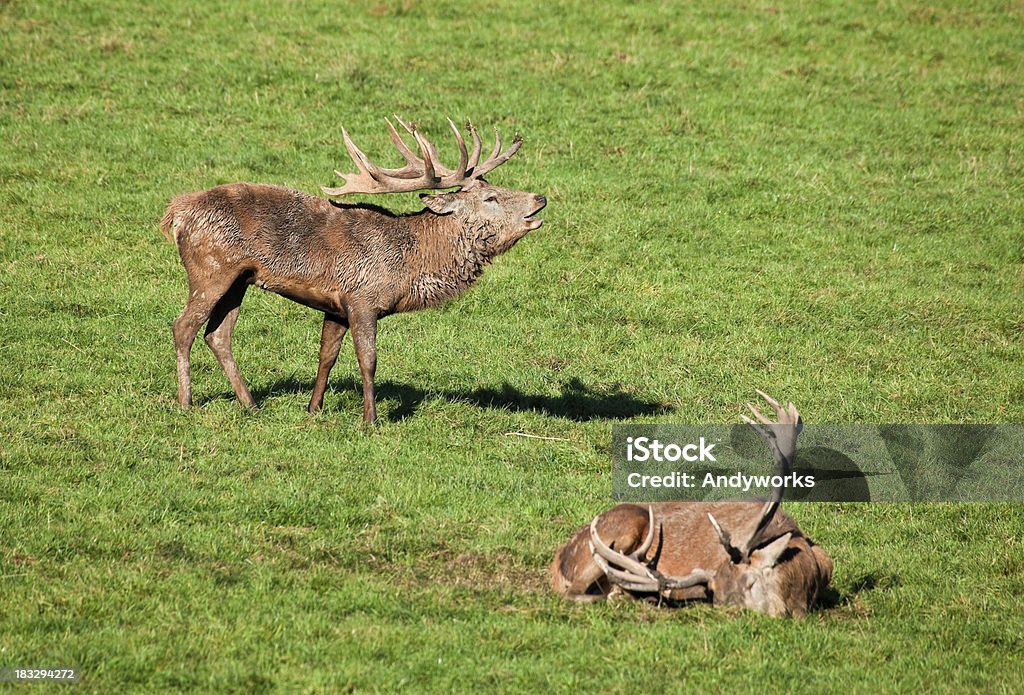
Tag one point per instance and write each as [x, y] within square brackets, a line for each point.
[834, 463]
[647, 449]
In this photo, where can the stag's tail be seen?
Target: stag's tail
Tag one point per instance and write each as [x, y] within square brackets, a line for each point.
[167, 222]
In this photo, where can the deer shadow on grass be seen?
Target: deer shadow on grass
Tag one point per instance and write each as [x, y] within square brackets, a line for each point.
[576, 401]
[836, 597]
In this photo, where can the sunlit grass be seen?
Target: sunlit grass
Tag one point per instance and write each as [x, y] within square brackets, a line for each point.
[821, 201]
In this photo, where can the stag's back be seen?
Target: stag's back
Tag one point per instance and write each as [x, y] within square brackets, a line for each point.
[257, 218]
[690, 540]
[289, 242]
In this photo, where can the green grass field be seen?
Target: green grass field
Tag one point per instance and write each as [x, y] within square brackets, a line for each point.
[823, 200]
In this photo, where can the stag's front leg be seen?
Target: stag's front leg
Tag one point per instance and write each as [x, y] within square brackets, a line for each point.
[363, 324]
[330, 344]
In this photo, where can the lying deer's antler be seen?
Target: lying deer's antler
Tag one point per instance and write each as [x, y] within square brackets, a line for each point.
[423, 172]
[635, 574]
[781, 437]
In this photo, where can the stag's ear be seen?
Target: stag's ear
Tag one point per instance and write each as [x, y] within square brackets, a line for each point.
[440, 203]
[768, 556]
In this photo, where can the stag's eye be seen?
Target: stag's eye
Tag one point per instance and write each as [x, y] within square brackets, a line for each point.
[490, 198]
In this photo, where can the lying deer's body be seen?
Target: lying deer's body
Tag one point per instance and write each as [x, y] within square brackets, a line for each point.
[354, 263]
[750, 554]
[688, 543]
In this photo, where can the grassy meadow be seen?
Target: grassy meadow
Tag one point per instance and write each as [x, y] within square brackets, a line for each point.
[822, 200]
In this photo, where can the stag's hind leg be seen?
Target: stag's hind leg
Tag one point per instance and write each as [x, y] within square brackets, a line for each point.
[330, 345]
[218, 336]
[202, 298]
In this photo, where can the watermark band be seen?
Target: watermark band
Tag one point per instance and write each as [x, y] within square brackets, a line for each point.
[834, 463]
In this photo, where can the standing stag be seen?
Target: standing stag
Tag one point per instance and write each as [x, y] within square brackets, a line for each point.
[684, 551]
[355, 263]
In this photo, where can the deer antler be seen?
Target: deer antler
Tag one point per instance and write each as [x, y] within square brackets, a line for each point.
[635, 574]
[423, 172]
[780, 434]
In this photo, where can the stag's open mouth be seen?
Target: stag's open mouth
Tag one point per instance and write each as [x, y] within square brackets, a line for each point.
[534, 222]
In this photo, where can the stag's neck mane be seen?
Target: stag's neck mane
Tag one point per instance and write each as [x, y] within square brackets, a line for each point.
[447, 257]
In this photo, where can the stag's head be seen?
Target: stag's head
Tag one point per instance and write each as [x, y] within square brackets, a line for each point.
[499, 217]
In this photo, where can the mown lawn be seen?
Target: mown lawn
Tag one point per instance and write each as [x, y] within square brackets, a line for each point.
[821, 200]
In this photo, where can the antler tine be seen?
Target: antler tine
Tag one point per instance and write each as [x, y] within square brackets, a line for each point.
[626, 562]
[757, 414]
[497, 145]
[645, 546]
[361, 160]
[787, 415]
[446, 177]
[756, 426]
[771, 401]
[411, 129]
[474, 157]
[463, 155]
[780, 436]
[431, 153]
[723, 535]
[413, 163]
[496, 159]
[427, 150]
[735, 554]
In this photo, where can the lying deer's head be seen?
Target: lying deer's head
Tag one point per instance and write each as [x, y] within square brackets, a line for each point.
[756, 582]
[783, 577]
[498, 217]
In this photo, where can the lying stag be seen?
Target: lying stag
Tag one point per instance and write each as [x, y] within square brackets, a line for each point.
[683, 551]
[355, 263]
